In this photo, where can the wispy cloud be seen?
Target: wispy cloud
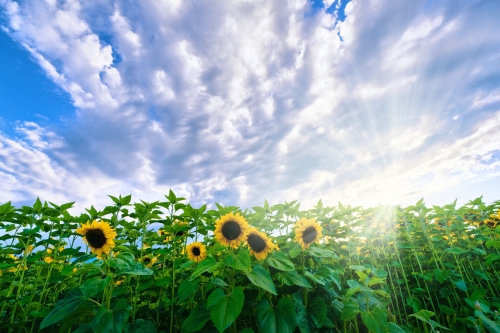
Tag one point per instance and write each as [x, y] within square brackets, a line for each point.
[233, 102]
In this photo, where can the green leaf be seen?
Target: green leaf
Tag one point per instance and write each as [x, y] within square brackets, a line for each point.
[208, 265]
[492, 258]
[321, 252]
[301, 315]
[119, 264]
[261, 277]
[481, 274]
[214, 297]
[351, 309]
[247, 330]
[447, 310]
[440, 275]
[197, 319]
[351, 291]
[63, 308]
[93, 286]
[375, 319]
[492, 326]
[478, 293]
[218, 282]
[141, 326]
[292, 279]
[138, 269]
[163, 282]
[456, 250]
[423, 315]
[227, 308]
[187, 288]
[393, 328]
[240, 261]
[295, 250]
[317, 309]
[314, 278]
[460, 284]
[280, 261]
[67, 269]
[276, 319]
[109, 321]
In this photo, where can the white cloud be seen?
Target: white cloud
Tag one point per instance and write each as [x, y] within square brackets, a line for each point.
[236, 101]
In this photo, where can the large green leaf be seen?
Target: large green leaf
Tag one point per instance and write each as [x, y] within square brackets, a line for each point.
[280, 261]
[276, 319]
[393, 328]
[322, 252]
[138, 269]
[63, 308]
[118, 263]
[197, 319]
[141, 326]
[227, 308]
[109, 321]
[208, 265]
[423, 315]
[493, 327]
[292, 279]
[317, 310]
[261, 277]
[351, 309]
[375, 319]
[187, 288]
[460, 284]
[314, 278]
[93, 286]
[240, 261]
[301, 314]
[455, 250]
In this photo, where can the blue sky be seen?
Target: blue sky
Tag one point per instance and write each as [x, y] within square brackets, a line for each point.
[363, 102]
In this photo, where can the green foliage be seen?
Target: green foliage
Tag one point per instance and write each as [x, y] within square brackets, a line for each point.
[383, 269]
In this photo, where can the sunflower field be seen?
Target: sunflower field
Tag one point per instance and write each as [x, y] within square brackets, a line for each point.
[167, 266]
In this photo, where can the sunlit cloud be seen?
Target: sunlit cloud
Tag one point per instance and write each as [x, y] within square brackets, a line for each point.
[236, 102]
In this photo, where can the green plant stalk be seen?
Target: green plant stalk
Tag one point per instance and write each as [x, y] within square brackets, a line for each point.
[20, 286]
[173, 288]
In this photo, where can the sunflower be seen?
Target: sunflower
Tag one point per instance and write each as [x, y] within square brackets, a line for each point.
[48, 260]
[307, 231]
[231, 230]
[196, 251]
[491, 223]
[149, 261]
[99, 236]
[259, 244]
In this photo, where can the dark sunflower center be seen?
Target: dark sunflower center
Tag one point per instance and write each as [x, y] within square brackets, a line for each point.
[309, 235]
[95, 238]
[256, 243]
[196, 251]
[146, 260]
[179, 233]
[231, 230]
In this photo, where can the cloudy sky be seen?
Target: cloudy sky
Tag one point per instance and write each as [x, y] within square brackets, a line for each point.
[359, 101]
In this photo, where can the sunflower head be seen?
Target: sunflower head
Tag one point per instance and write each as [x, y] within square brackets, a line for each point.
[259, 244]
[99, 236]
[48, 260]
[491, 223]
[196, 251]
[231, 229]
[149, 261]
[307, 231]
